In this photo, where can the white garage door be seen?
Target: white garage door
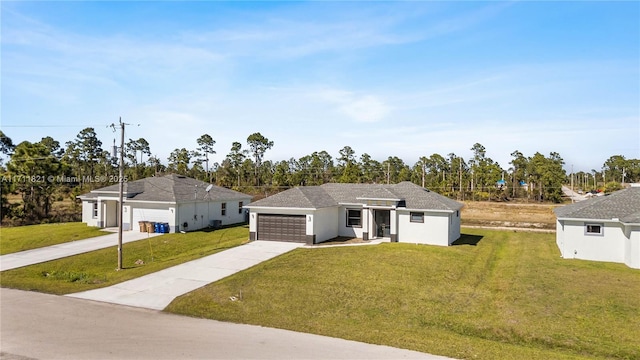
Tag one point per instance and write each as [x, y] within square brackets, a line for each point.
[155, 215]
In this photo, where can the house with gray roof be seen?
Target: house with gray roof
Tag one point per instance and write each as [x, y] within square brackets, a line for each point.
[603, 228]
[402, 212]
[183, 203]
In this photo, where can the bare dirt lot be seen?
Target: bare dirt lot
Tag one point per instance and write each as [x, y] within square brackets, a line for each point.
[511, 215]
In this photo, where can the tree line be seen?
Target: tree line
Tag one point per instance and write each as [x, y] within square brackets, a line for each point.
[45, 172]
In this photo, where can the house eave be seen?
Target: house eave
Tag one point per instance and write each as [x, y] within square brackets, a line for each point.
[378, 199]
[596, 220]
[448, 211]
[253, 207]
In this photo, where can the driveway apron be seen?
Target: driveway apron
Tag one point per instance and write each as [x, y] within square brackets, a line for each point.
[35, 256]
[155, 291]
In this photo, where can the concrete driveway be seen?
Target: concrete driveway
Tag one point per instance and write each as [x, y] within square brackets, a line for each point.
[35, 256]
[157, 290]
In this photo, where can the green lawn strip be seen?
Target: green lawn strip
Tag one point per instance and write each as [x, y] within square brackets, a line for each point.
[97, 269]
[20, 238]
[511, 296]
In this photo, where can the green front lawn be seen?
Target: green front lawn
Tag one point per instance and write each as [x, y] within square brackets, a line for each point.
[19, 238]
[98, 268]
[510, 296]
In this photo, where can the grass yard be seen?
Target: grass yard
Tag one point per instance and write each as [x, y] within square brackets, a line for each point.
[97, 269]
[509, 297]
[19, 238]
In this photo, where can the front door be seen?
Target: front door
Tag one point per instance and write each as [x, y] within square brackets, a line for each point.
[383, 223]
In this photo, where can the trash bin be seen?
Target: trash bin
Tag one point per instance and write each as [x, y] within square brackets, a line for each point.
[151, 227]
[143, 226]
[157, 228]
[165, 228]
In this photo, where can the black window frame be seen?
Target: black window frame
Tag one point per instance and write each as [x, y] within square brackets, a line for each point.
[223, 209]
[94, 210]
[417, 213]
[349, 218]
[591, 226]
[240, 203]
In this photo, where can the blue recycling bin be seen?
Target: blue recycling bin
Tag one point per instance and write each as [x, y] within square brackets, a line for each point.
[158, 227]
[165, 228]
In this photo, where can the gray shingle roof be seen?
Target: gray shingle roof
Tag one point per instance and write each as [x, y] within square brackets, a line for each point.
[333, 194]
[623, 205]
[169, 188]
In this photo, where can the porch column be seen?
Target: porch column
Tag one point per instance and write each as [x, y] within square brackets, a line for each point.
[102, 211]
[365, 223]
[394, 225]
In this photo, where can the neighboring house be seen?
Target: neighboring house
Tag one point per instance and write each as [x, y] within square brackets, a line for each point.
[403, 212]
[603, 228]
[182, 202]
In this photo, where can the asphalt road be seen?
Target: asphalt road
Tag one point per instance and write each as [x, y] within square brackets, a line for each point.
[41, 326]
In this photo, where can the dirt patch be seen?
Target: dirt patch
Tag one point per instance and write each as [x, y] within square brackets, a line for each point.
[509, 215]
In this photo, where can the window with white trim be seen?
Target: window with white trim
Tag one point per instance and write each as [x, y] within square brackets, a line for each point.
[223, 209]
[95, 210]
[416, 217]
[354, 217]
[594, 229]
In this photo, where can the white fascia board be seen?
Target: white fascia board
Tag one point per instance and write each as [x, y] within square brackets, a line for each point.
[629, 224]
[128, 201]
[383, 199]
[592, 220]
[428, 210]
[253, 207]
[352, 204]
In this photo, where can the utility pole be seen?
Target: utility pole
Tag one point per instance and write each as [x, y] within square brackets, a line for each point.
[572, 192]
[120, 189]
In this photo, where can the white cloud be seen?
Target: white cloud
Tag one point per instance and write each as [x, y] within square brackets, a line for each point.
[357, 107]
[366, 108]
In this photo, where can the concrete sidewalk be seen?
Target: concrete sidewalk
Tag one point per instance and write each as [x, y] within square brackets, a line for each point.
[35, 256]
[157, 290]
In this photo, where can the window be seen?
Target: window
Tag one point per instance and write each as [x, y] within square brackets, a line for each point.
[240, 207]
[593, 229]
[417, 217]
[354, 218]
[223, 209]
[95, 210]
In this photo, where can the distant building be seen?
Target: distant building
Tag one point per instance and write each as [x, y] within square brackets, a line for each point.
[603, 228]
[181, 202]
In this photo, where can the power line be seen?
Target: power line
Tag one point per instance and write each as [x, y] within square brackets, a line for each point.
[50, 126]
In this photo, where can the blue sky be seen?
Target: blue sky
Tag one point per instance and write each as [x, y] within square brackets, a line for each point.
[404, 79]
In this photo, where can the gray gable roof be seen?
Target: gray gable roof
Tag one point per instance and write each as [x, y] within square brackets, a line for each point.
[332, 194]
[169, 188]
[623, 205]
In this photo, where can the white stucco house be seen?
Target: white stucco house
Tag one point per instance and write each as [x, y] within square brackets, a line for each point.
[402, 212]
[184, 203]
[603, 228]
